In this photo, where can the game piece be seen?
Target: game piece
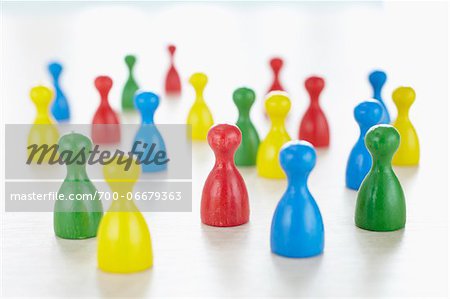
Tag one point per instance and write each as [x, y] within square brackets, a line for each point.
[267, 163]
[173, 82]
[377, 79]
[314, 124]
[43, 132]
[105, 125]
[130, 86]
[148, 141]
[276, 64]
[124, 243]
[246, 152]
[200, 118]
[297, 226]
[408, 153]
[367, 114]
[224, 197]
[41, 97]
[60, 107]
[381, 203]
[76, 219]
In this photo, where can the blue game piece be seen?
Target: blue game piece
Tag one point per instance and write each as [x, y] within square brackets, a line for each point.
[297, 227]
[367, 114]
[151, 142]
[377, 80]
[60, 107]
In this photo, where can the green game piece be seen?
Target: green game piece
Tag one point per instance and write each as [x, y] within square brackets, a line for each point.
[130, 86]
[381, 203]
[246, 153]
[76, 219]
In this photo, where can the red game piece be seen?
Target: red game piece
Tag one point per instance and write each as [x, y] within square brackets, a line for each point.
[276, 64]
[224, 197]
[105, 125]
[173, 83]
[314, 125]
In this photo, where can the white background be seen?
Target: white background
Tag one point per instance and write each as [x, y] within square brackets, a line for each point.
[232, 44]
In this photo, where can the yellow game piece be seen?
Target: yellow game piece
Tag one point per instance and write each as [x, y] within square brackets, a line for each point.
[409, 151]
[43, 132]
[267, 161]
[200, 118]
[124, 243]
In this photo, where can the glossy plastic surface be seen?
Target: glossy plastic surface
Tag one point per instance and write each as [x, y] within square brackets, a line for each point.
[380, 205]
[224, 197]
[297, 227]
[247, 151]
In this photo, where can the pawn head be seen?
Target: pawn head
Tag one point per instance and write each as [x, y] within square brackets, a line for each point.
[198, 81]
[277, 104]
[404, 97]
[314, 85]
[377, 79]
[382, 140]
[172, 49]
[146, 101]
[103, 84]
[276, 63]
[130, 60]
[74, 143]
[55, 69]
[244, 98]
[368, 113]
[224, 138]
[41, 95]
[297, 157]
[121, 172]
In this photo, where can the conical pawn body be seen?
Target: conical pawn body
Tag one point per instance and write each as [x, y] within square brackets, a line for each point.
[199, 117]
[77, 219]
[43, 132]
[173, 82]
[314, 125]
[267, 162]
[380, 205]
[131, 86]
[408, 153]
[367, 114]
[60, 107]
[297, 227]
[148, 143]
[124, 243]
[224, 198]
[247, 151]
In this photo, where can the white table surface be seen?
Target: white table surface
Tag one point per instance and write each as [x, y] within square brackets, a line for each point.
[232, 44]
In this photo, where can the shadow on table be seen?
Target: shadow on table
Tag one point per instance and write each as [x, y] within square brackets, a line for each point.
[224, 238]
[297, 274]
[132, 285]
[74, 251]
[227, 250]
[380, 250]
